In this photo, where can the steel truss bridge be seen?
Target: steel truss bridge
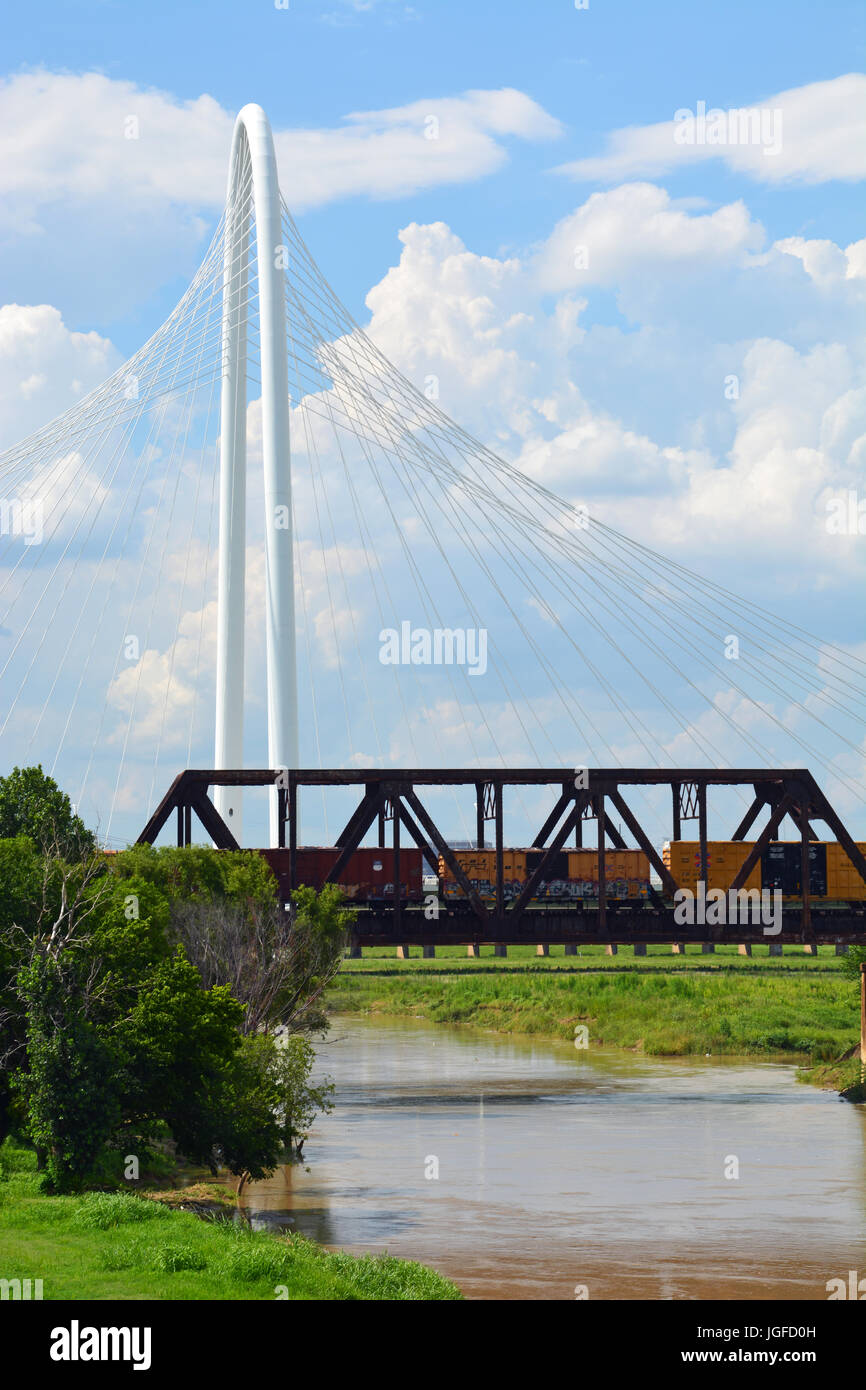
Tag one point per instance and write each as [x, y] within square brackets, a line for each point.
[391, 805]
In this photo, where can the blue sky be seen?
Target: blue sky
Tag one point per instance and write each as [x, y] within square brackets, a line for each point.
[605, 383]
[613, 65]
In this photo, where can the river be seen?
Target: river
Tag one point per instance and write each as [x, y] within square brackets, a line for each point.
[562, 1171]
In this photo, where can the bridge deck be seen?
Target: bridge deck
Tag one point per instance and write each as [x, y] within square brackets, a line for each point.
[620, 925]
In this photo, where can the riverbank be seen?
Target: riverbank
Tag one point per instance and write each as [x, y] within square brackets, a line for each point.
[659, 1005]
[116, 1246]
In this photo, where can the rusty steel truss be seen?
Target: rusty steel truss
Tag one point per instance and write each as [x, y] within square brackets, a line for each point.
[593, 795]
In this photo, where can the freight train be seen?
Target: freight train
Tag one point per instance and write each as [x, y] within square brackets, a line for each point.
[368, 876]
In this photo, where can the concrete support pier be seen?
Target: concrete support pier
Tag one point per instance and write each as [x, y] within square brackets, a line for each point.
[745, 948]
[542, 950]
[708, 948]
[428, 952]
[473, 950]
[775, 948]
[841, 948]
[610, 949]
[402, 952]
[500, 948]
[570, 948]
[640, 948]
[678, 948]
[810, 949]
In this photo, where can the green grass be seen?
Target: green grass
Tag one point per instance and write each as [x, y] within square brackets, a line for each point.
[116, 1246]
[522, 958]
[661, 1005]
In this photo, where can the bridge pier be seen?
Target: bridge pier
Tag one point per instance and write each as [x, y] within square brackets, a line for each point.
[640, 948]
[775, 948]
[708, 948]
[810, 948]
[570, 948]
[473, 950]
[745, 948]
[542, 950]
[428, 952]
[610, 949]
[500, 948]
[841, 948]
[402, 952]
[678, 948]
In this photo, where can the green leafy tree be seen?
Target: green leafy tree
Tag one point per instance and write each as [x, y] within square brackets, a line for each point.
[273, 1078]
[32, 888]
[177, 1042]
[31, 803]
[197, 873]
[852, 961]
[299, 1099]
[113, 1036]
[70, 1085]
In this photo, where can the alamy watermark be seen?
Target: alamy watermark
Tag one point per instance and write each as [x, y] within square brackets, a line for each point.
[748, 125]
[20, 1289]
[846, 514]
[22, 517]
[854, 1289]
[77, 1343]
[737, 906]
[443, 646]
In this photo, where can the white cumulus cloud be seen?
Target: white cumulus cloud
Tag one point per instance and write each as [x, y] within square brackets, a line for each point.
[810, 135]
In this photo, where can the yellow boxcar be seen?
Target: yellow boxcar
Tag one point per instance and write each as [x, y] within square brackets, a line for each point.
[626, 872]
[479, 866]
[843, 880]
[724, 859]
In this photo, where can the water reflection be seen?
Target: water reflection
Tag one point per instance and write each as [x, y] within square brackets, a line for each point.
[558, 1167]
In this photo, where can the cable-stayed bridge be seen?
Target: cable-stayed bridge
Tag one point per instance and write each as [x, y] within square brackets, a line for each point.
[258, 544]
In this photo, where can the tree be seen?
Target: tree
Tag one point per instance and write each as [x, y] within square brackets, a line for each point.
[277, 963]
[70, 1085]
[274, 1077]
[179, 1046]
[851, 962]
[39, 900]
[71, 956]
[299, 1100]
[31, 803]
[197, 873]
[112, 1036]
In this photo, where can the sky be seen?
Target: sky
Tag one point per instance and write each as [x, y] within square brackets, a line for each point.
[584, 285]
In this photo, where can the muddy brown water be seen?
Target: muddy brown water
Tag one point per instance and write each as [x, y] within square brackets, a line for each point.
[560, 1169]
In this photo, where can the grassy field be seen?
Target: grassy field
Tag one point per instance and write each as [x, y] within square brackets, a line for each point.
[117, 1246]
[794, 1005]
[522, 958]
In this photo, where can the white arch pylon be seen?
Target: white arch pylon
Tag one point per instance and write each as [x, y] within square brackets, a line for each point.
[253, 173]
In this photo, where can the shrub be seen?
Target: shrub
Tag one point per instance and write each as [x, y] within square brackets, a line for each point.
[169, 1258]
[100, 1211]
[256, 1259]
